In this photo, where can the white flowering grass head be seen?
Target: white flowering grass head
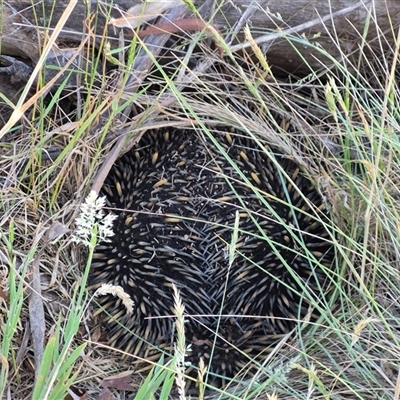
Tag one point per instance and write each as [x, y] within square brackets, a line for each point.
[92, 220]
[107, 288]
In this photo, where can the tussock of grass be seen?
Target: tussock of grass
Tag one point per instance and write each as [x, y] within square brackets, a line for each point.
[341, 124]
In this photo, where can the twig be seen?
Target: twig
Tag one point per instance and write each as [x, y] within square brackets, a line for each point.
[184, 24]
[242, 21]
[301, 27]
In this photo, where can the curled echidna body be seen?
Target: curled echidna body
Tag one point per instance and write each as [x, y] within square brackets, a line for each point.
[240, 237]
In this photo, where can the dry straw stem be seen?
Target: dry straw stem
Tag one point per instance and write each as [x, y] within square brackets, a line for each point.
[287, 32]
[22, 107]
[36, 308]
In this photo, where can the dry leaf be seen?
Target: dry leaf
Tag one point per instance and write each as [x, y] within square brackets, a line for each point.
[120, 381]
[106, 395]
[3, 294]
[143, 12]
[55, 231]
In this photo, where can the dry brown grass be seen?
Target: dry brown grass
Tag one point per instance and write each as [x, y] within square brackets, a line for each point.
[49, 163]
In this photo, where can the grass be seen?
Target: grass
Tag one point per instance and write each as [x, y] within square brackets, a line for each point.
[340, 123]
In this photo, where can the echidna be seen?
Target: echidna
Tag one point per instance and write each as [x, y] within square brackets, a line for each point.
[179, 195]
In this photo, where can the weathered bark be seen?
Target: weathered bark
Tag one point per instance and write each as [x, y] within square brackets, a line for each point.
[20, 35]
